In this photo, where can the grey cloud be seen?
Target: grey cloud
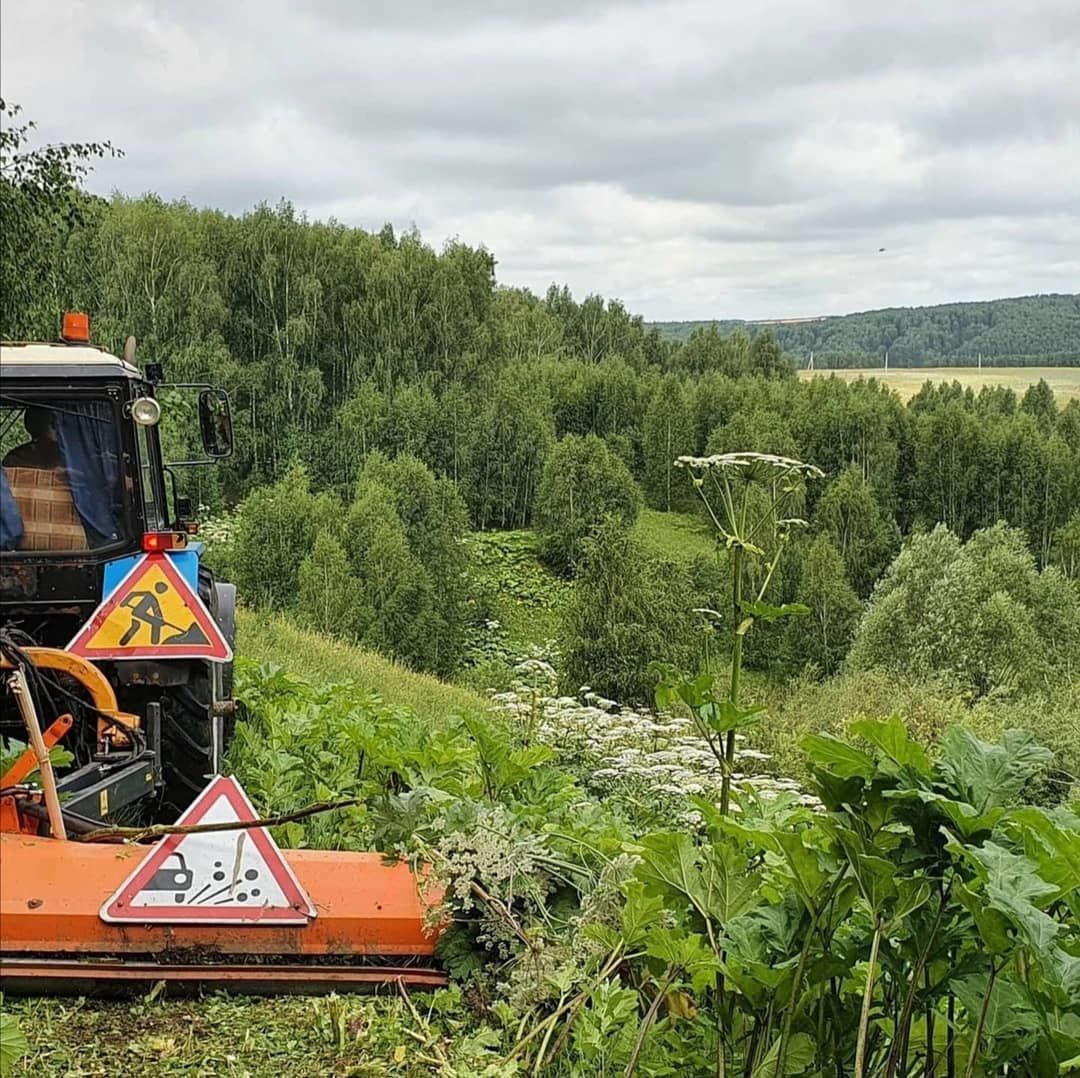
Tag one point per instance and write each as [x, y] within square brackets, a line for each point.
[696, 158]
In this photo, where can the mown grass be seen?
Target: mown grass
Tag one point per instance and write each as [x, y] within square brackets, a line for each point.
[219, 1036]
[273, 638]
[674, 536]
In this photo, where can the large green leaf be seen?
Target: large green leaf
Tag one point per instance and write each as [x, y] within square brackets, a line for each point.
[1012, 1020]
[669, 867]
[723, 716]
[992, 925]
[891, 737]
[12, 1042]
[873, 874]
[1012, 886]
[768, 612]
[804, 863]
[911, 893]
[986, 775]
[686, 951]
[798, 1058]
[837, 757]
[965, 818]
[1057, 850]
[731, 881]
[640, 911]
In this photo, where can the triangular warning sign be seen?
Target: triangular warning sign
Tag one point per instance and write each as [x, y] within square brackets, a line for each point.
[213, 877]
[153, 613]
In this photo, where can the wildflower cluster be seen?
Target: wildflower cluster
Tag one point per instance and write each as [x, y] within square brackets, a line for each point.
[640, 756]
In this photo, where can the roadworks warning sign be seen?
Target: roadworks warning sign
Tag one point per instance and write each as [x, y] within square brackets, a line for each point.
[153, 613]
[213, 877]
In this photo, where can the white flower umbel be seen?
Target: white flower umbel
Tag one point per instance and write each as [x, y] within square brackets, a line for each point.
[652, 759]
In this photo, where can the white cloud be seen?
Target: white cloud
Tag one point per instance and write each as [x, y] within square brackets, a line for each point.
[695, 158]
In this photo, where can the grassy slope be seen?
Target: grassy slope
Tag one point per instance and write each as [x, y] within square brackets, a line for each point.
[907, 381]
[674, 536]
[274, 639]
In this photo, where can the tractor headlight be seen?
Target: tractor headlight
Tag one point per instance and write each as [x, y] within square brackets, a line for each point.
[145, 411]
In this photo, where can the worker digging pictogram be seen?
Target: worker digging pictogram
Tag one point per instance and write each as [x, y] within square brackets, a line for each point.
[153, 613]
[215, 876]
[144, 609]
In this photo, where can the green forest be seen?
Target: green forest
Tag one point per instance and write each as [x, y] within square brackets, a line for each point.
[755, 740]
[1027, 331]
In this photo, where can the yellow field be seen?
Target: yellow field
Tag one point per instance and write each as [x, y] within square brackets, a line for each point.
[1064, 381]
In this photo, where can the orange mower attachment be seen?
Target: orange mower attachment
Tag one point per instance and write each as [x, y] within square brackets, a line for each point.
[82, 915]
[369, 927]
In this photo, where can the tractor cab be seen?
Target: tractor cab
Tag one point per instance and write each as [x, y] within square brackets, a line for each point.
[85, 495]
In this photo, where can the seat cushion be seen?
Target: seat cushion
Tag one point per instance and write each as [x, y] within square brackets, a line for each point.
[50, 521]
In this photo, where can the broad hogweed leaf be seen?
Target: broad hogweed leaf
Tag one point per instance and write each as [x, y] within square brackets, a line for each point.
[798, 1058]
[890, 736]
[768, 612]
[830, 754]
[988, 776]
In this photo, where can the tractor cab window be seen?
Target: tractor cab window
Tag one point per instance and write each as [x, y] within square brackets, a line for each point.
[61, 481]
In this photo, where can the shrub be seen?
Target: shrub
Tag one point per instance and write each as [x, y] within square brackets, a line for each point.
[667, 433]
[330, 599]
[978, 612]
[584, 483]
[396, 588]
[866, 536]
[628, 610]
[435, 520]
[275, 530]
[825, 635]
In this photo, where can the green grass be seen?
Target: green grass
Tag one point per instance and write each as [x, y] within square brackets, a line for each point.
[221, 1036]
[907, 381]
[527, 598]
[272, 638]
[675, 536]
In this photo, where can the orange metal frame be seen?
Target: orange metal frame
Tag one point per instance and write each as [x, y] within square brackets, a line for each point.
[52, 892]
[93, 680]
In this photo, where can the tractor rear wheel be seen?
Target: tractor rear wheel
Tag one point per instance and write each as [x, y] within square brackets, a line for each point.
[193, 742]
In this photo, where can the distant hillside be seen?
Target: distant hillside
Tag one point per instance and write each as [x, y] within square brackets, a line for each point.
[1026, 331]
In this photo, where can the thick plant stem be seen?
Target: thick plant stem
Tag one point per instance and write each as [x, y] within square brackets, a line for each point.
[736, 675]
[950, 1038]
[721, 1039]
[930, 1063]
[976, 1041]
[868, 998]
[903, 1026]
[650, 1017]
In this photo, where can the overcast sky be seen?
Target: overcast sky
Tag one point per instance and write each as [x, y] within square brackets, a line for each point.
[697, 159]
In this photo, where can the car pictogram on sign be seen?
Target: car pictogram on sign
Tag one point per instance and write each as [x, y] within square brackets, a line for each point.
[172, 879]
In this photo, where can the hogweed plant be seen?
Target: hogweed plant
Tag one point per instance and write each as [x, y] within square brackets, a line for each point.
[751, 499]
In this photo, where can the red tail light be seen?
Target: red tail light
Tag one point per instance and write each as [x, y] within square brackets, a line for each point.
[154, 542]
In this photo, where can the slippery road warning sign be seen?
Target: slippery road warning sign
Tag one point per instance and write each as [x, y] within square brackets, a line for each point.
[153, 613]
[213, 877]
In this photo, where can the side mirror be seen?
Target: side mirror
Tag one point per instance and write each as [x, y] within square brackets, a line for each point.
[215, 423]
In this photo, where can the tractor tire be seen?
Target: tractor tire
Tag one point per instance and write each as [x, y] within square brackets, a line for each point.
[192, 744]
